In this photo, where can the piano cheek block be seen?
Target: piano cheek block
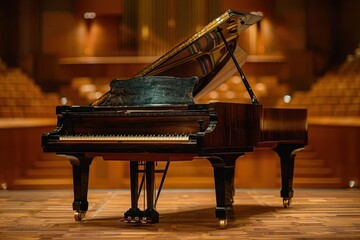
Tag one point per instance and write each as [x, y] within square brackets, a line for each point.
[151, 90]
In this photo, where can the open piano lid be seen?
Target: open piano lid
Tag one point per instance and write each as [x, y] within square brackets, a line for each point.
[204, 54]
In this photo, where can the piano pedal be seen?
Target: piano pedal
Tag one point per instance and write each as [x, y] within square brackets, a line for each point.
[137, 220]
[133, 215]
[144, 220]
[137, 216]
[132, 220]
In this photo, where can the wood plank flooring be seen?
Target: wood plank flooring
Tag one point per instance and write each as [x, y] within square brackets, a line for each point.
[184, 214]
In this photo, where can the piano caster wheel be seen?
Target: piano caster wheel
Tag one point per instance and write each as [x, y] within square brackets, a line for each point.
[222, 223]
[286, 202]
[79, 215]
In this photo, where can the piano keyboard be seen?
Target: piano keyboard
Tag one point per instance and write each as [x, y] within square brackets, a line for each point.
[127, 138]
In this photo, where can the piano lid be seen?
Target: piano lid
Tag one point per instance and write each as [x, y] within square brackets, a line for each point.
[204, 54]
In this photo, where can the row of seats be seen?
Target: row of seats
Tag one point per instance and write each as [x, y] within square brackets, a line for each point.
[21, 97]
[337, 93]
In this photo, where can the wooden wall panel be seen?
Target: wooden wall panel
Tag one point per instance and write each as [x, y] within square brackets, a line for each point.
[339, 146]
[20, 147]
[104, 7]
[59, 33]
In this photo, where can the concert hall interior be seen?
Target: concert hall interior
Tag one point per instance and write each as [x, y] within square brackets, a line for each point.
[302, 54]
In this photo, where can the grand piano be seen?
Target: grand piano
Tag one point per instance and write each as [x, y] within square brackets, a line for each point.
[154, 117]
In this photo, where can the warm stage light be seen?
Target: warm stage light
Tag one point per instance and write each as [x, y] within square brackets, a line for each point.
[145, 32]
[63, 100]
[213, 95]
[287, 99]
[224, 87]
[89, 15]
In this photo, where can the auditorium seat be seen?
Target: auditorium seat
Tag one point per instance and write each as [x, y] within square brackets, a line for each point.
[336, 94]
[353, 109]
[21, 97]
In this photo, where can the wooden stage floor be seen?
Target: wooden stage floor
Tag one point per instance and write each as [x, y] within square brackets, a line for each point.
[184, 214]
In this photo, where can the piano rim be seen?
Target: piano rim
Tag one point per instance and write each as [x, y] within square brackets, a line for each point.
[135, 149]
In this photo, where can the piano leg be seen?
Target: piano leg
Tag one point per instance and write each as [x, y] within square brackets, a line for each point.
[81, 167]
[287, 154]
[224, 169]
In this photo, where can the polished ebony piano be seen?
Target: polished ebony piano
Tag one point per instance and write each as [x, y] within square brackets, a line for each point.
[154, 117]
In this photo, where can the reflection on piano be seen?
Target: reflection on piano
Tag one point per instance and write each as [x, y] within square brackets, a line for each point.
[146, 133]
